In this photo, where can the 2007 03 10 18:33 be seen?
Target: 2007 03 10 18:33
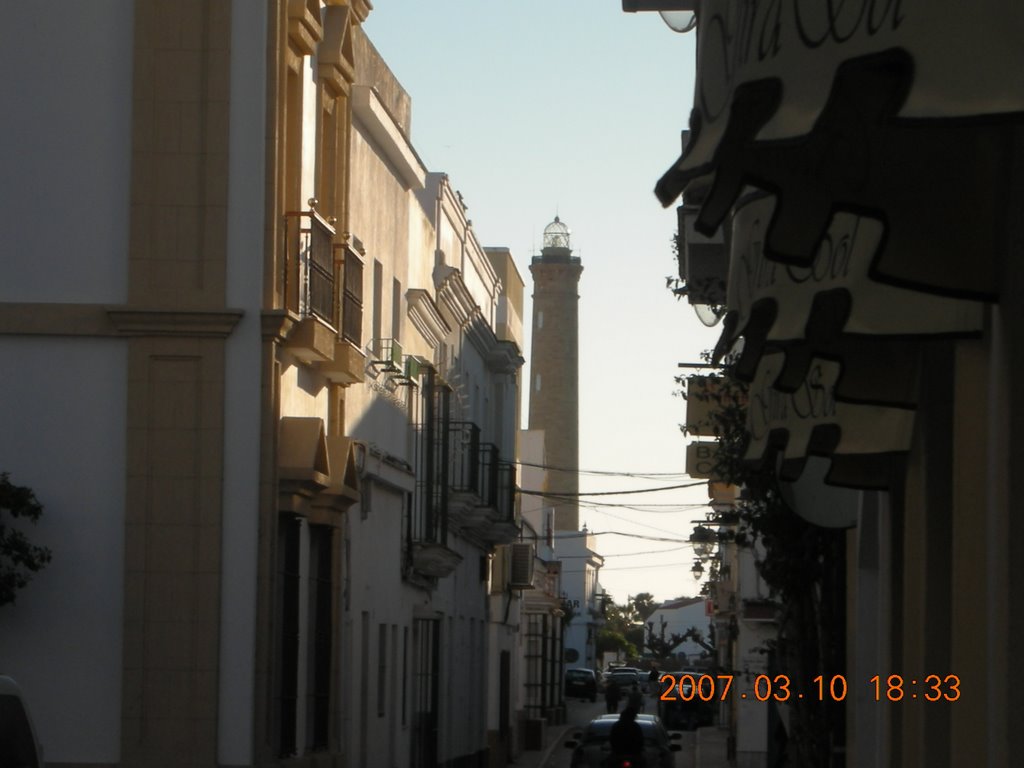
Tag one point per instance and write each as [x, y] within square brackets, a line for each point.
[708, 687]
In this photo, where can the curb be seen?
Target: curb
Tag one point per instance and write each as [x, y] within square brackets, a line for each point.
[555, 743]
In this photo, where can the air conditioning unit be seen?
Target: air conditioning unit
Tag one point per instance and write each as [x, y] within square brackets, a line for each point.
[521, 566]
[413, 367]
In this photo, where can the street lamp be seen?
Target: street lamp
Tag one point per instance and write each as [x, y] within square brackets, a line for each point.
[679, 15]
[697, 570]
[703, 540]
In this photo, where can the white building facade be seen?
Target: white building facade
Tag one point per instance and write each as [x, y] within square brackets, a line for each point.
[275, 490]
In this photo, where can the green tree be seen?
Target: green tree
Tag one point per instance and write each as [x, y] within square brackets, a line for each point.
[663, 647]
[624, 628]
[613, 641]
[643, 605]
[18, 556]
[803, 565]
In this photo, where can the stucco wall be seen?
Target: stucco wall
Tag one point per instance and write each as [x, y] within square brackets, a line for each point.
[62, 433]
[65, 169]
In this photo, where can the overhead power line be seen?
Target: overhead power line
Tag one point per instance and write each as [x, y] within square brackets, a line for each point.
[623, 554]
[551, 495]
[561, 535]
[604, 472]
[679, 564]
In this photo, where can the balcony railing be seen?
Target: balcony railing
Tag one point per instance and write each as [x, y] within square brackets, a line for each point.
[506, 492]
[352, 298]
[309, 270]
[488, 475]
[427, 524]
[501, 526]
[464, 458]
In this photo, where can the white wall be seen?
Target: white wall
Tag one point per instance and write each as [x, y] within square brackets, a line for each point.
[242, 385]
[677, 621]
[578, 577]
[62, 433]
[64, 171]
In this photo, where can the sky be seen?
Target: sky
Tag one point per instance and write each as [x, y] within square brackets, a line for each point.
[538, 108]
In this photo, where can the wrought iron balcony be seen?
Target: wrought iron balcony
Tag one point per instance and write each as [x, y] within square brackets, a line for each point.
[502, 526]
[352, 297]
[463, 468]
[309, 269]
[426, 533]
[487, 485]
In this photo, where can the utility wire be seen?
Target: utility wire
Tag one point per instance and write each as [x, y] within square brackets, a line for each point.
[579, 534]
[647, 508]
[679, 564]
[632, 522]
[606, 472]
[568, 496]
[622, 554]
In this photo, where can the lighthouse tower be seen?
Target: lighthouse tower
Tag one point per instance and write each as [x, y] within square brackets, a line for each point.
[554, 369]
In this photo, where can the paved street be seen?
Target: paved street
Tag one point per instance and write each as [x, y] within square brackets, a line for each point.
[582, 712]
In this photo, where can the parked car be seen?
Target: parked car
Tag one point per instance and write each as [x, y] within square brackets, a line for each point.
[581, 683]
[590, 747]
[18, 745]
[624, 678]
[686, 712]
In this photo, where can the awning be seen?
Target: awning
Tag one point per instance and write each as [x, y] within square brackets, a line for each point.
[788, 427]
[832, 308]
[344, 477]
[302, 451]
[900, 111]
[314, 467]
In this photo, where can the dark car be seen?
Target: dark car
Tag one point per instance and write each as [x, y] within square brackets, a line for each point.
[18, 745]
[581, 684]
[591, 749]
[679, 707]
[624, 678]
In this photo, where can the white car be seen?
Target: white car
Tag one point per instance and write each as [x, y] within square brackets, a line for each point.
[18, 745]
[591, 749]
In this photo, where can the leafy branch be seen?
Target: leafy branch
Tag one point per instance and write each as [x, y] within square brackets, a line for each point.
[18, 556]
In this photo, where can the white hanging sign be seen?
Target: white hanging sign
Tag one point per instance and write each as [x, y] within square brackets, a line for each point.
[843, 261]
[796, 421]
[967, 60]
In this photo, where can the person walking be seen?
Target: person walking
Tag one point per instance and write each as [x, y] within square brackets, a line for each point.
[612, 694]
[653, 677]
[636, 698]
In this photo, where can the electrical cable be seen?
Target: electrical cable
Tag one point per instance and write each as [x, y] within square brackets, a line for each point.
[570, 496]
[632, 522]
[579, 534]
[680, 564]
[622, 554]
[605, 472]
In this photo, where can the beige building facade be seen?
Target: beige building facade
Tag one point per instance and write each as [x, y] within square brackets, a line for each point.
[278, 488]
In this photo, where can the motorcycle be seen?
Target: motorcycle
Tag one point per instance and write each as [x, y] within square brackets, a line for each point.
[625, 761]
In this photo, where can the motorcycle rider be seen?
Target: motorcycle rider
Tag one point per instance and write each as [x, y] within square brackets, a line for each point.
[627, 739]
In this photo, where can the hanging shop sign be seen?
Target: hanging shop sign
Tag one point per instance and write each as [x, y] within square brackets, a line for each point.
[703, 260]
[701, 458]
[811, 421]
[895, 109]
[809, 309]
[811, 497]
[707, 400]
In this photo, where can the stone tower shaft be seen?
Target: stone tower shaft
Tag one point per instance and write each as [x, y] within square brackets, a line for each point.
[554, 369]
